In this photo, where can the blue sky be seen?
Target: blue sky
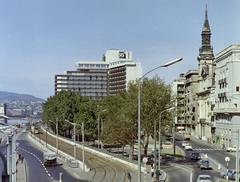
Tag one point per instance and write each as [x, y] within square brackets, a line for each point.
[42, 38]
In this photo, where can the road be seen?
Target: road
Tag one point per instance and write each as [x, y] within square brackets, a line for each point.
[34, 163]
[213, 152]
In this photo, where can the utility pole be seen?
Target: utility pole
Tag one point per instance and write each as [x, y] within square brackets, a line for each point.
[74, 126]
[237, 159]
[14, 168]
[83, 145]
[174, 137]
[155, 152]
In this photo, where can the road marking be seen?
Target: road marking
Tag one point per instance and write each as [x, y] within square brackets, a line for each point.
[39, 161]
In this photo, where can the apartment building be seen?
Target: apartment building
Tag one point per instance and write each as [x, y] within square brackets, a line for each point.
[227, 96]
[178, 89]
[191, 101]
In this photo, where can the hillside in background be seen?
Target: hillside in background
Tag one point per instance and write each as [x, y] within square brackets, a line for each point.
[15, 96]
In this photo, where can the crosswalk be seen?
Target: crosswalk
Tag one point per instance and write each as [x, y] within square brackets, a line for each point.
[204, 149]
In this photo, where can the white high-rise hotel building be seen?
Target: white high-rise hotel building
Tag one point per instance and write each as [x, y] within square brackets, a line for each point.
[97, 79]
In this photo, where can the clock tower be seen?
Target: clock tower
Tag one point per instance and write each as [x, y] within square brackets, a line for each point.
[206, 85]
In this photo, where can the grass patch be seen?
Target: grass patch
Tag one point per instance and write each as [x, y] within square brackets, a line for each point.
[223, 180]
[178, 152]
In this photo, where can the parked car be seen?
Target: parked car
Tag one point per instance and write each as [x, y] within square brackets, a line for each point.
[195, 155]
[204, 164]
[232, 175]
[204, 178]
[229, 173]
[184, 143]
[232, 148]
[188, 147]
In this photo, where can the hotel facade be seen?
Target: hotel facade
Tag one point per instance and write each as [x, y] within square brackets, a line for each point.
[99, 79]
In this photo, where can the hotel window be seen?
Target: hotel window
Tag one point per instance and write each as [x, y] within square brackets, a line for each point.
[237, 88]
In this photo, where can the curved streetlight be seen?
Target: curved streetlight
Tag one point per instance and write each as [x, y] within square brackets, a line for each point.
[98, 124]
[159, 153]
[139, 114]
[74, 126]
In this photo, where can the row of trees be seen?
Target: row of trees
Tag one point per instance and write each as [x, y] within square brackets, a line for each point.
[121, 112]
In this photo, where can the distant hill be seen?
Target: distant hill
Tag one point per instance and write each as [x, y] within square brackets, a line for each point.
[15, 96]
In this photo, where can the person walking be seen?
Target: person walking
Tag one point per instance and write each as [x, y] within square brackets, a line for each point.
[157, 172]
[152, 172]
[129, 176]
[22, 158]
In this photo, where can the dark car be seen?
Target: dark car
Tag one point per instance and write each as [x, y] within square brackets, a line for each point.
[195, 156]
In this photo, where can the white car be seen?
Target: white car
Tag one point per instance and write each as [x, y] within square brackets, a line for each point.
[188, 147]
[204, 178]
[184, 143]
[232, 148]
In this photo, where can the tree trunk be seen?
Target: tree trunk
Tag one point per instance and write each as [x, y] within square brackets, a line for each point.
[146, 146]
[131, 151]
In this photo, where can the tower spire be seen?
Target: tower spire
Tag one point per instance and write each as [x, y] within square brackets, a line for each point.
[206, 26]
[206, 50]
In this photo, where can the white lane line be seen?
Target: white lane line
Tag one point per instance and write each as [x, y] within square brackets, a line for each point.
[39, 161]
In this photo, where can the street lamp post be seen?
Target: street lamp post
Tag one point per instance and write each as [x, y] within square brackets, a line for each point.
[227, 159]
[159, 154]
[98, 124]
[74, 125]
[139, 114]
[237, 159]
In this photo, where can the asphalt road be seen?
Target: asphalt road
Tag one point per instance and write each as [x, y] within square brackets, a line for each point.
[213, 152]
[34, 159]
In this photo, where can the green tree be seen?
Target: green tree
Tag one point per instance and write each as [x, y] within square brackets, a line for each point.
[64, 105]
[156, 96]
[119, 127]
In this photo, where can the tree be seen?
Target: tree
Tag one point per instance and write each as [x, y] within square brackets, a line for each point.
[119, 127]
[64, 105]
[156, 96]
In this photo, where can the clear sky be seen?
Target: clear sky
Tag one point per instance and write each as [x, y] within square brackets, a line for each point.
[42, 38]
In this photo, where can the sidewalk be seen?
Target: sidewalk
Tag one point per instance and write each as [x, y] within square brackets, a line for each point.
[21, 171]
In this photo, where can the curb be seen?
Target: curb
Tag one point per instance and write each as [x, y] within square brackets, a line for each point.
[61, 155]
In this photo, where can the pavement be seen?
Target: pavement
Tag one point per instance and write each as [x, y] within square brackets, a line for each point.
[21, 171]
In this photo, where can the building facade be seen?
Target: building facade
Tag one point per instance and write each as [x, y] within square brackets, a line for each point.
[178, 89]
[227, 97]
[191, 100]
[3, 117]
[206, 74]
[98, 79]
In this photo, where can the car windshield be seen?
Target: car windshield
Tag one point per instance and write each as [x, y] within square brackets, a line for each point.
[205, 178]
[206, 162]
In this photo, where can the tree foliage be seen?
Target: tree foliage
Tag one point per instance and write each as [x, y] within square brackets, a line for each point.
[121, 112]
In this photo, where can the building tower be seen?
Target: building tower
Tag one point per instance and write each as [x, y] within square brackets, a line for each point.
[206, 68]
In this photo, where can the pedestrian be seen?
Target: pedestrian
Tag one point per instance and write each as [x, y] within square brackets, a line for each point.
[129, 176]
[157, 172]
[22, 159]
[152, 172]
